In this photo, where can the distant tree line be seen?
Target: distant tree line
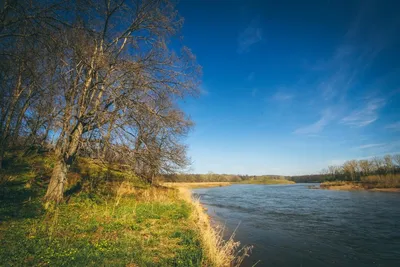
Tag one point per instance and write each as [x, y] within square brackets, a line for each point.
[354, 170]
[98, 79]
[312, 178]
[213, 177]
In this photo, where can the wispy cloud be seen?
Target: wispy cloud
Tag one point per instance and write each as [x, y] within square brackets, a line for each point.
[317, 126]
[352, 58]
[366, 115]
[281, 96]
[249, 36]
[380, 149]
[394, 126]
[254, 92]
[203, 90]
[370, 146]
[341, 72]
[251, 76]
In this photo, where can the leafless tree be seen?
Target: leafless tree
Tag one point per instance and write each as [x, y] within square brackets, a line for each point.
[396, 159]
[350, 168]
[365, 167]
[115, 68]
[389, 166]
[22, 65]
[334, 172]
[378, 165]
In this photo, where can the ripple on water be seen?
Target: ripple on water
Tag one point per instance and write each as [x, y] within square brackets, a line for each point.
[291, 225]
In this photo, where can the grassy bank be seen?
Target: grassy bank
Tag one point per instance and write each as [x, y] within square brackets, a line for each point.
[384, 183]
[113, 221]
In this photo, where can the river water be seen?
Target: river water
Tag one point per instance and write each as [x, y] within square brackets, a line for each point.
[291, 225]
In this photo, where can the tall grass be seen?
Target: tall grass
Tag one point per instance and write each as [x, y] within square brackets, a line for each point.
[382, 181]
[219, 252]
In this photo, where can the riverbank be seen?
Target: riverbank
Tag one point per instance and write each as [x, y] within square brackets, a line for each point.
[267, 181]
[106, 220]
[351, 186]
[197, 185]
[220, 184]
[219, 252]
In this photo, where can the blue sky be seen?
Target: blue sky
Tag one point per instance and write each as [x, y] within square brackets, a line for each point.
[290, 87]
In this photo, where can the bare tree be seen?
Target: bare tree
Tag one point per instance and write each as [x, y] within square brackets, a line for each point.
[350, 169]
[389, 166]
[365, 167]
[115, 65]
[20, 77]
[334, 172]
[378, 165]
[396, 159]
[101, 77]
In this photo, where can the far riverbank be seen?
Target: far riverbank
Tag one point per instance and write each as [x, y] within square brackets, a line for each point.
[353, 186]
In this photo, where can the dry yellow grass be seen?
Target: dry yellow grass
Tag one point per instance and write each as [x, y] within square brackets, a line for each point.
[384, 183]
[150, 194]
[197, 185]
[219, 252]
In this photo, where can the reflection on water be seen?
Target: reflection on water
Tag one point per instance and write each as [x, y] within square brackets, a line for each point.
[291, 225]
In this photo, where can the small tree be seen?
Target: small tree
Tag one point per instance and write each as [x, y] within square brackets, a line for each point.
[396, 159]
[350, 169]
[389, 166]
[365, 167]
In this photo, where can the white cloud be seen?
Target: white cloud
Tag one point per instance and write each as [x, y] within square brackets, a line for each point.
[281, 96]
[370, 146]
[318, 126]
[366, 115]
[394, 126]
[203, 90]
[250, 36]
[342, 71]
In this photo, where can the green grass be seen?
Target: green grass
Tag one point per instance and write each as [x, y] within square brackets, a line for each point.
[132, 226]
[92, 233]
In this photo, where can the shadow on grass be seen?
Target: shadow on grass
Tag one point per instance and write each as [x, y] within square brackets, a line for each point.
[18, 202]
[21, 186]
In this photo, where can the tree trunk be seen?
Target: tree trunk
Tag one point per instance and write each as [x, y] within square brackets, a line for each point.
[1, 159]
[55, 190]
[2, 152]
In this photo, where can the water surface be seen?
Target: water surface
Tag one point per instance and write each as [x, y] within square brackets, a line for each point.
[291, 225]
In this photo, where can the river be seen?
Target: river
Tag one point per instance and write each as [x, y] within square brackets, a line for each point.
[291, 225]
